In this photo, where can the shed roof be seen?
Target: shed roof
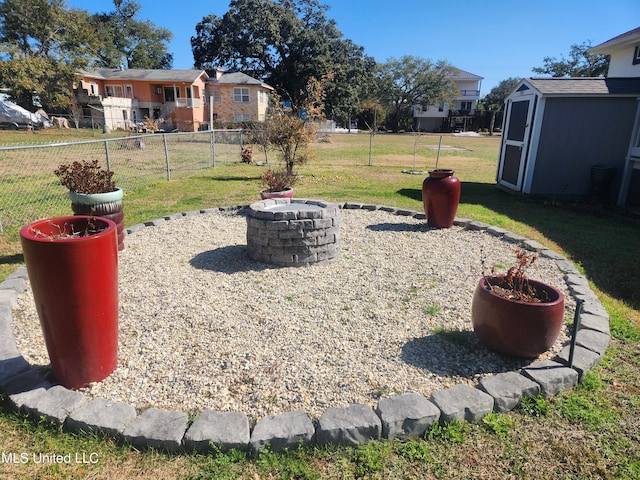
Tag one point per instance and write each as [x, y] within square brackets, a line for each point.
[153, 75]
[586, 86]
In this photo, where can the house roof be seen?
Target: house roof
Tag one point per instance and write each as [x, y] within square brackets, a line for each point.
[586, 86]
[238, 78]
[624, 40]
[462, 75]
[152, 75]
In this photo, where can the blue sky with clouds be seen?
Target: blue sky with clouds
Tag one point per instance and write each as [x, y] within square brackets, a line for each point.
[493, 39]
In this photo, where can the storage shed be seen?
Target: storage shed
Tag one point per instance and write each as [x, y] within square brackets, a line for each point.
[557, 129]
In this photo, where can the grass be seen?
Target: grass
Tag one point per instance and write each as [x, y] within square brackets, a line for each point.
[592, 431]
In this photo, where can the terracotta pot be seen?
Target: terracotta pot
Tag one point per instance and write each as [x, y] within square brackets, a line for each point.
[440, 197]
[75, 288]
[266, 194]
[105, 205]
[517, 328]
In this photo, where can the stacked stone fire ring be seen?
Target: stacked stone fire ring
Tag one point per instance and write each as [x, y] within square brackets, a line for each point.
[293, 232]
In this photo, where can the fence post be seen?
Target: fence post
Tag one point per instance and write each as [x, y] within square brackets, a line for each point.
[106, 151]
[213, 148]
[166, 156]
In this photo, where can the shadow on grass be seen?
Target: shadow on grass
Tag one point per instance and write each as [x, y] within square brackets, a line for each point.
[606, 246]
[15, 259]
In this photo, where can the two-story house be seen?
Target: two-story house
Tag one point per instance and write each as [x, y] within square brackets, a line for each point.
[180, 100]
[237, 97]
[624, 51]
[458, 116]
[120, 98]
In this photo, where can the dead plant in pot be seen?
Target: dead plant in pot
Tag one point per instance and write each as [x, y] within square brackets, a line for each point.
[515, 315]
[93, 191]
[278, 183]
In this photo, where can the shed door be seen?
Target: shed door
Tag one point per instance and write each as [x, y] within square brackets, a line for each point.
[515, 141]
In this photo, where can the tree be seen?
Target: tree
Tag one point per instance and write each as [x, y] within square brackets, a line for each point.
[130, 42]
[408, 81]
[290, 130]
[493, 102]
[284, 43]
[579, 64]
[42, 45]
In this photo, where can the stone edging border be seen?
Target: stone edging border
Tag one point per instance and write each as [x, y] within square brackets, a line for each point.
[404, 416]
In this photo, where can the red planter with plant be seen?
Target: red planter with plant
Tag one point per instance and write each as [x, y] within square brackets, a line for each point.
[517, 316]
[73, 270]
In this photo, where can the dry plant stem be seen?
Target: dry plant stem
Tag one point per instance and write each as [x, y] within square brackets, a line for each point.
[515, 285]
[63, 232]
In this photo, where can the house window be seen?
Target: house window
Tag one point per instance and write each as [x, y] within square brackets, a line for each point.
[169, 94]
[241, 95]
[241, 118]
[113, 90]
[215, 94]
[93, 88]
[465, 105]
[128, 91]
[636, 55]
[441, 107]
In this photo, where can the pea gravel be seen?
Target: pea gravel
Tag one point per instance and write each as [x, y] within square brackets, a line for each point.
[203, 327]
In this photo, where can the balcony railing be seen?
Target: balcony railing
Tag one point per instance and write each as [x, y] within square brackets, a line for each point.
[469, 93]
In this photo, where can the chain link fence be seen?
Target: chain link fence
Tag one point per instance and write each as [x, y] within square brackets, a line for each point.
[29, 189]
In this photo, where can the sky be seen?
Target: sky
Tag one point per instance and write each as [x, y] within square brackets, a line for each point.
[495, 39]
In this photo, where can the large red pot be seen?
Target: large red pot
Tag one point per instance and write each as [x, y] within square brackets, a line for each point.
[75, 288]
[440, 197]
[517, 328]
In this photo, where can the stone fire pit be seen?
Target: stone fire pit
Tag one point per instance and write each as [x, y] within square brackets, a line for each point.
[293, 232]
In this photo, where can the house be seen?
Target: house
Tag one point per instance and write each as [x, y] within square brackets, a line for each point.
[563, 135]
[460, 115]
[181, 100]
[625, 63]
[237, 97]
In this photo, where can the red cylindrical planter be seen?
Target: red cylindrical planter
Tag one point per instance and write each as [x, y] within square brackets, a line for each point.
[513, 327]
[440, 197]
[75, 287]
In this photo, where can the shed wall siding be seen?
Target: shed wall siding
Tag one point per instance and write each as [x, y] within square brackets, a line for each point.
[577, 133]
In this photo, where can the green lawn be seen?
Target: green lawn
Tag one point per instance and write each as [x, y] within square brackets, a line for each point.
[590, 432]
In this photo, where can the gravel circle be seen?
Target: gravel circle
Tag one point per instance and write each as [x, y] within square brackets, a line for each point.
[203, 327]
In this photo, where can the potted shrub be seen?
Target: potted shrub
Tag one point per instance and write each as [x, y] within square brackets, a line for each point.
[514, 315]
[278, 183]
[93, 192]
[72, 263]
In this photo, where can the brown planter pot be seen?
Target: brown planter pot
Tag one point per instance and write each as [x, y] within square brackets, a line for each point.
[440, 197]
[517, 328]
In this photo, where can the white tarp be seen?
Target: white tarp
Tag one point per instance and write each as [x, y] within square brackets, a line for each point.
[10, 112]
